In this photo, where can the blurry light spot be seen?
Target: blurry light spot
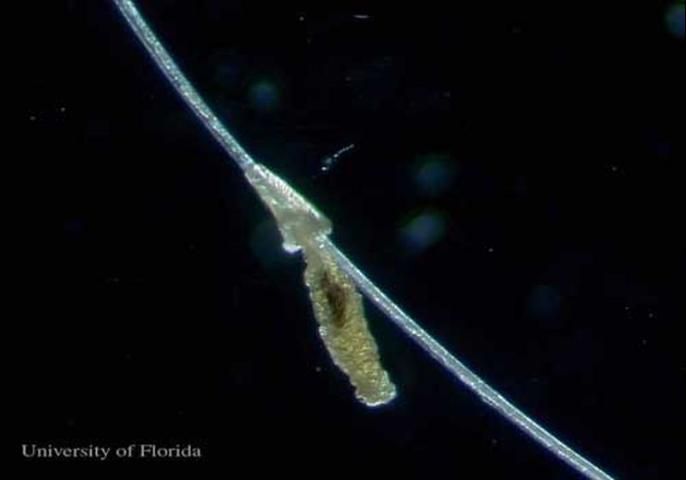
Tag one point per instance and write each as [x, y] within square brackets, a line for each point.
[491, 250]
[264, 95]
[435, 174]
[544, 301]
[423, 231]
[74, 228]
[674, 19]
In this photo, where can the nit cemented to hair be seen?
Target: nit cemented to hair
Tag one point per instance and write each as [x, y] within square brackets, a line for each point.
[337, 304]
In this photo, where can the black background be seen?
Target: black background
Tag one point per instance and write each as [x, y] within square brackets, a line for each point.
[161, 309]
